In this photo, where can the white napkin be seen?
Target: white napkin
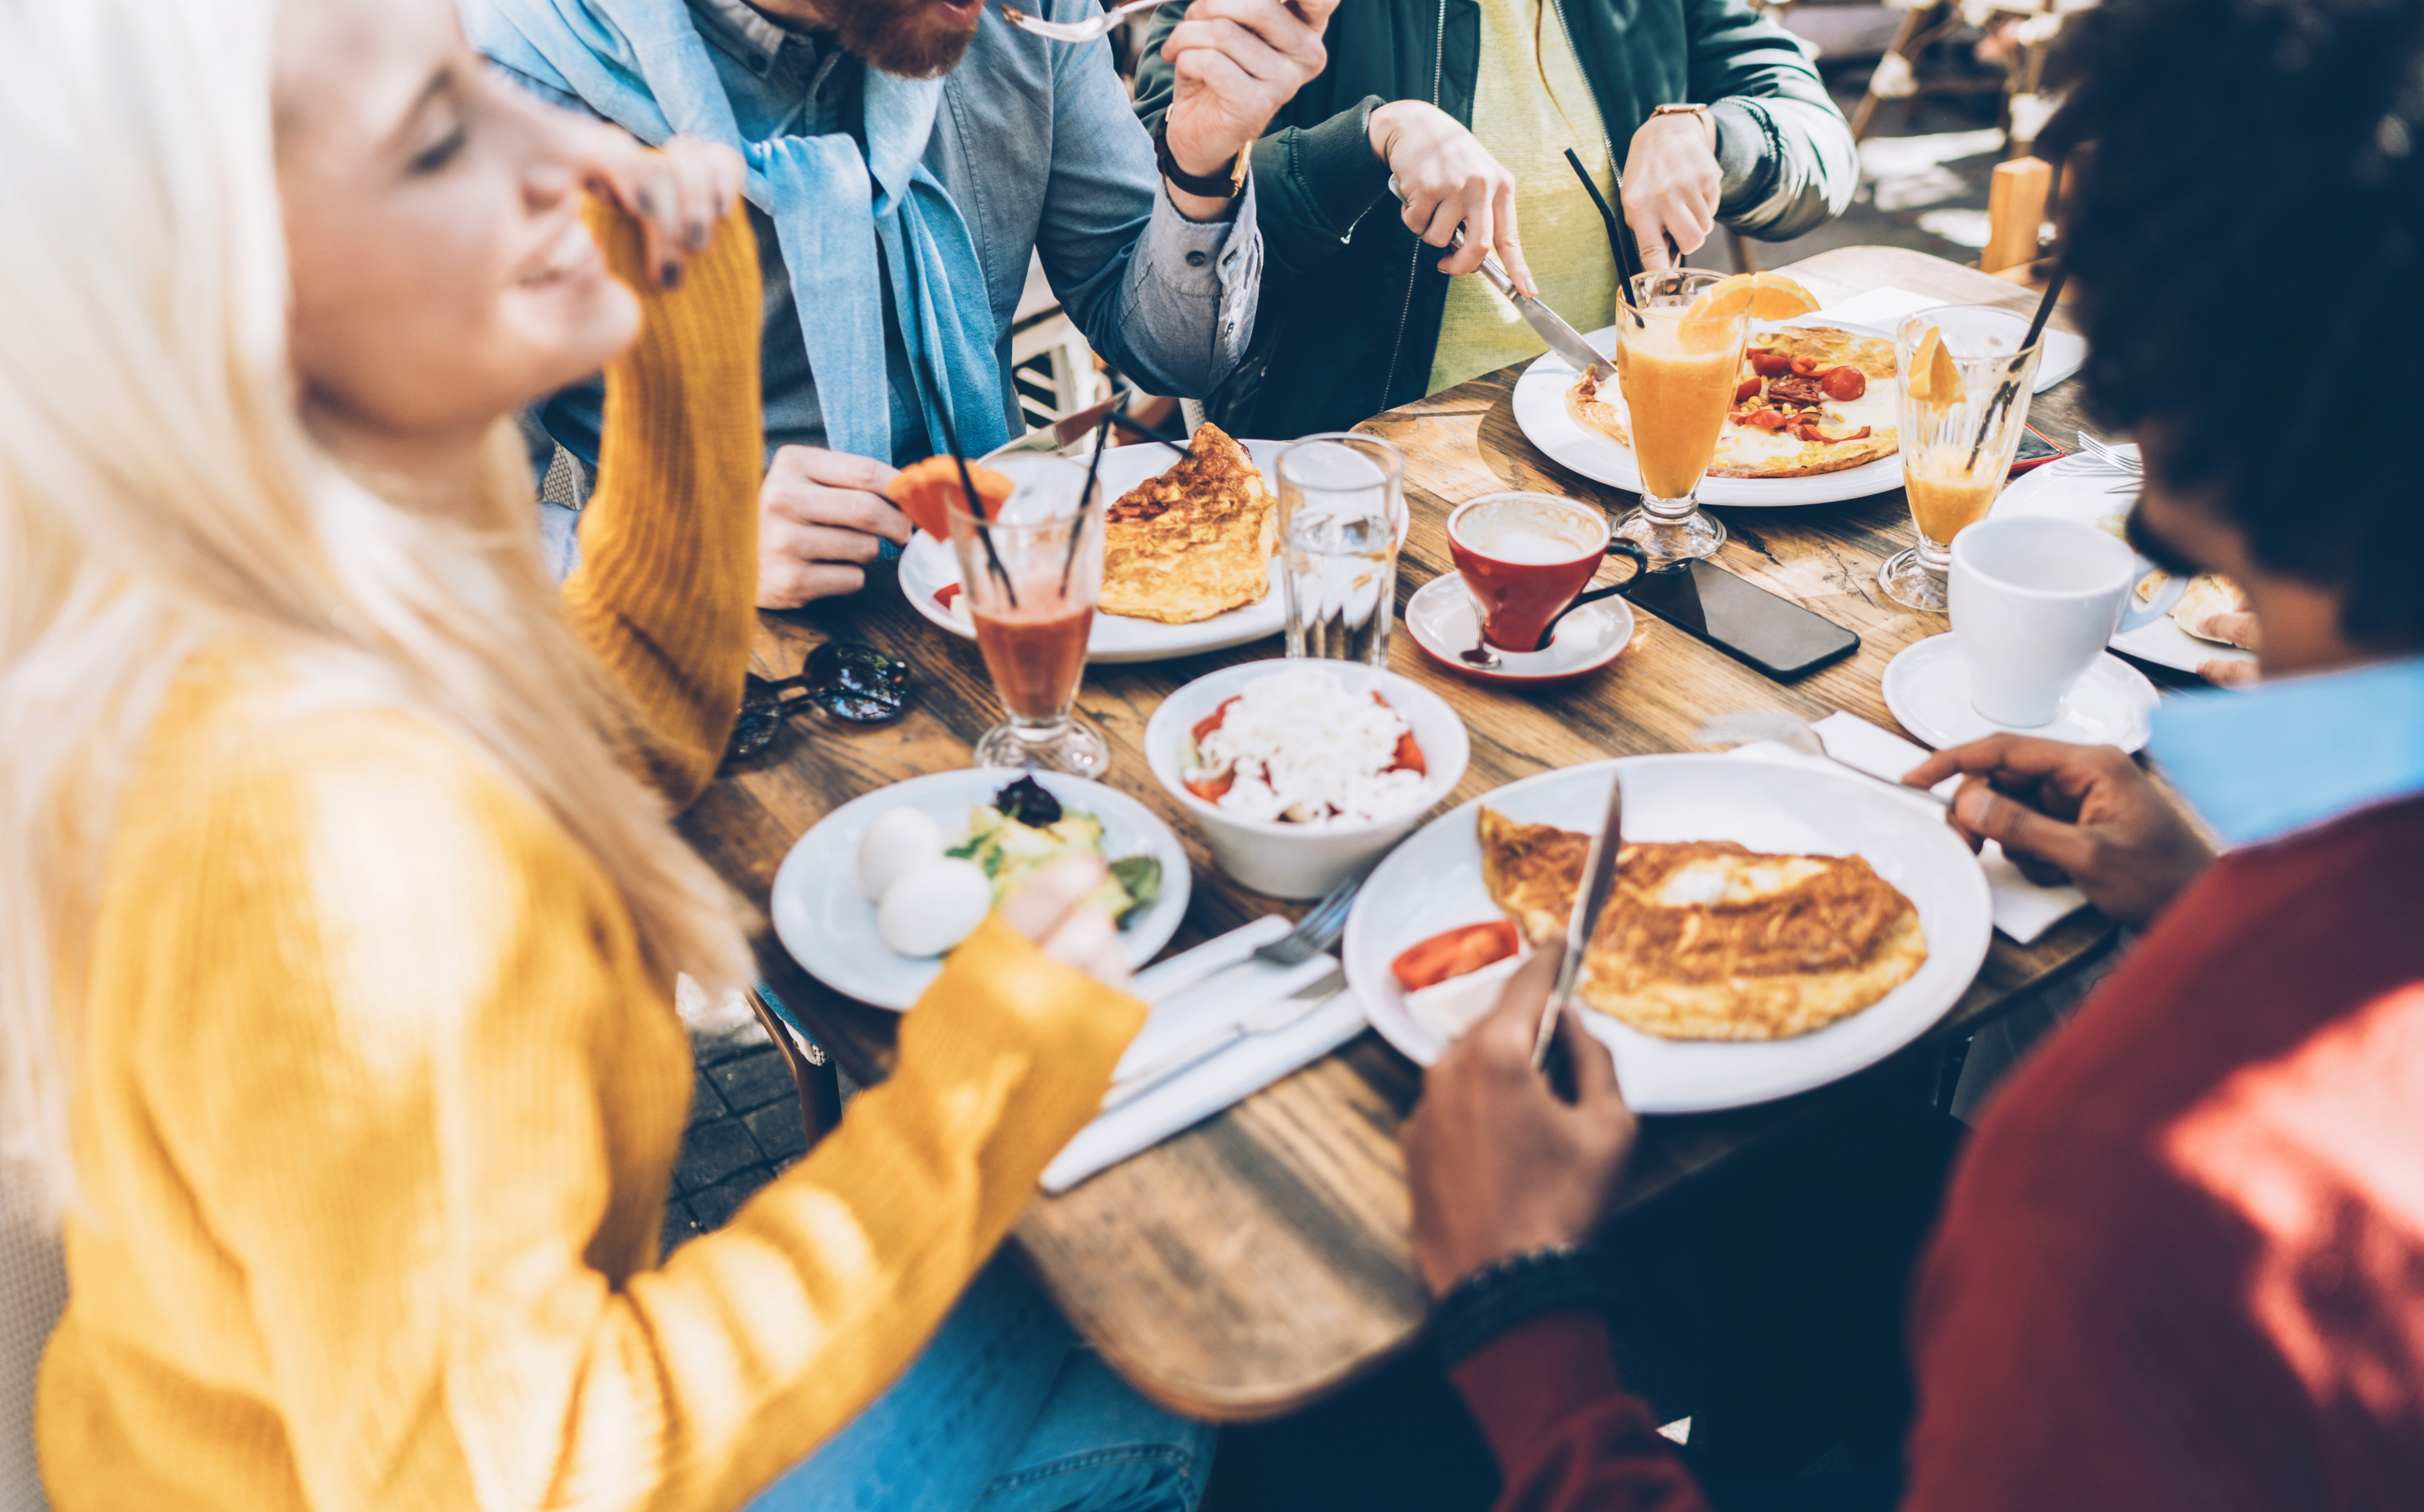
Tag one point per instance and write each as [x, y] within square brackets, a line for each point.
[2022, 909]
[2065, 353]
[1238, 1071]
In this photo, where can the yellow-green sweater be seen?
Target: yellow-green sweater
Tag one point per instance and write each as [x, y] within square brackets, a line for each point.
[375, 1102]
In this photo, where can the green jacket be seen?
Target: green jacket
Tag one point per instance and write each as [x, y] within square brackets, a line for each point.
[1350, 308]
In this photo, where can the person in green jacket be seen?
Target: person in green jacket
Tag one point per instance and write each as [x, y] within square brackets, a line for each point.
[1472, 104]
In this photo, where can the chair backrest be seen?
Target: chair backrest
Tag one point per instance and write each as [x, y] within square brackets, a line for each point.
[33, 1291]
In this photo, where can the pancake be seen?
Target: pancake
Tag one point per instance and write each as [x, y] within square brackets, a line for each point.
[1195, 542]
[1708, 939]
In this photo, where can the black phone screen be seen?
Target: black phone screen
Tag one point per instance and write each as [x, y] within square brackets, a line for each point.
[2035, 448]
[1743, 620]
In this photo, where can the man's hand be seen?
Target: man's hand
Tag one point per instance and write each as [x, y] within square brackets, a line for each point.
[2081, 814]
[1500, 1164]
[678, 194]
[1050, 909]
[1449, 180]
[1672, 185]
[821, 516]
[2237, 627]
[1235, 62]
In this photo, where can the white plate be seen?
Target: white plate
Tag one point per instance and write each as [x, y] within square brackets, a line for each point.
[1927, 686]
[2074, 489]
[830, 929]
[1444, 623]
[1541, 410]
[1433, 882]
[929, 565]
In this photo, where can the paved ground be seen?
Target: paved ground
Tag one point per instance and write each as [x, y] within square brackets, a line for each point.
[744, 1128]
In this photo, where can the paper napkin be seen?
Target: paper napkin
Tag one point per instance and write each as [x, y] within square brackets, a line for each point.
[1235, 1073]
[1879, 309]
[2022, 909]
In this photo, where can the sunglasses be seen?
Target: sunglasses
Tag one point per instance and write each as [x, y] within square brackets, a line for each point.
[847, 680]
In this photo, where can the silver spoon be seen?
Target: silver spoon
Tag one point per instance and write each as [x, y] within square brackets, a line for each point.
[1075, 31]
[1796, 734]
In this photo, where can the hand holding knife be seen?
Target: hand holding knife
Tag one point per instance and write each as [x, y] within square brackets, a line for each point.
[1599, 880]
[1562, 338]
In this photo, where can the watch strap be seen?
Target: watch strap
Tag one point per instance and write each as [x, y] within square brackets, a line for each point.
[1210, 185]
[1558, 1278]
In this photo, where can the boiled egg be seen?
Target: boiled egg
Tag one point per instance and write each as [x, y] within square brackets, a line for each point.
[928, 910]
[899, 842]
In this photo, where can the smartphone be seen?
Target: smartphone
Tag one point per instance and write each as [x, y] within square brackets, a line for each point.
[2035, 451]
[1743, 620]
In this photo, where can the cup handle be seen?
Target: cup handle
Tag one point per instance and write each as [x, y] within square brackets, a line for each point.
[1617, 546]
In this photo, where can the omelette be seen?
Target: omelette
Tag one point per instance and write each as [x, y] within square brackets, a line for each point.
[1195, 542]
[1708, 939]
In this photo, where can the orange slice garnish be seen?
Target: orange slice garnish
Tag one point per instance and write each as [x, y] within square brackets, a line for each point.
[1933, 379]
[1765, 296]
[927, 490]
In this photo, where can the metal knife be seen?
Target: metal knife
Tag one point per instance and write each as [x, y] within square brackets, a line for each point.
[1599, 880]
[1551, 327]
[1065, 431]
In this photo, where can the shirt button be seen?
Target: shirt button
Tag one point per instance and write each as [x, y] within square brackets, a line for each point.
[1195, 259]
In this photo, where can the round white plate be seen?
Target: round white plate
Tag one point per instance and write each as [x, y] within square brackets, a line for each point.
[1541, 410]
[929, 565]
[1433, 883]
[2075, 489]
[1927, 686]
[830, 929]
[1442, 621]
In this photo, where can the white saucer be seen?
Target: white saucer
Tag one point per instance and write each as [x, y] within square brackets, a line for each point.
[1927, 686]
[1444, 623]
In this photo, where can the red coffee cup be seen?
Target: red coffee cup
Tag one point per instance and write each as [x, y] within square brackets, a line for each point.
[1526, 559]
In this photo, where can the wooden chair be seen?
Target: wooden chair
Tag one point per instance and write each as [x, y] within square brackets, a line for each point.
[2016, 212]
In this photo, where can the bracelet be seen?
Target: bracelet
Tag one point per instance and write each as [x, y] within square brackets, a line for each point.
[1212, 186]
[1558, 1279]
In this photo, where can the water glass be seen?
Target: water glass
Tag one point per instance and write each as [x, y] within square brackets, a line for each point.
[1033, 570]
[1342, 503]
[1956, 446]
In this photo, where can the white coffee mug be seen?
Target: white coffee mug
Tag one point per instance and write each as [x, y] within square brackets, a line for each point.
[2034, 602]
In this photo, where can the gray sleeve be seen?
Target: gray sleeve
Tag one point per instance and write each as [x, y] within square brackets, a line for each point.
[1787, 164]
[1168, 300]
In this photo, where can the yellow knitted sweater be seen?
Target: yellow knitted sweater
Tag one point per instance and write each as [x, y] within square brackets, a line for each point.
[377, 1100]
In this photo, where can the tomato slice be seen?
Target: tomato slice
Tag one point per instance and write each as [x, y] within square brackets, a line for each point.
[1409, 757]
[948, 592]
[1213, 720]
[1212, 789]
[1454, 954]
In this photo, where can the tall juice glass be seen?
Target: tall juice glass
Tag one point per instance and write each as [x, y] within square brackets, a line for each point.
[1676, 365]
[1032, 571]
[1965, 403]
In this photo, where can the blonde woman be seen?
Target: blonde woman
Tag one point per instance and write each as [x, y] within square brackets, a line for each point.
[343, 918]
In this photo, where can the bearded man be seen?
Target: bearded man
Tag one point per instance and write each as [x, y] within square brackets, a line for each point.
[907, 160]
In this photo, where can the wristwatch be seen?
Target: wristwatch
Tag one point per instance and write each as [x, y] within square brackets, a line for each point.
[1702, 111]
[1212, 186]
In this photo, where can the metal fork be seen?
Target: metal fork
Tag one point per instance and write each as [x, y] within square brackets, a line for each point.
[2097, 451]
[1075, 31]
[1315, 933]
[1794, 733]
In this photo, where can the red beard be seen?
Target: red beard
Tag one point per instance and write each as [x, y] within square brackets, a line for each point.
[907, 38]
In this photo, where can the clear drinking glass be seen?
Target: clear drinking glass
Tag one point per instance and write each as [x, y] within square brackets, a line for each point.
[1342, 498]
[1033, 572]
[1956, 445]
[1678, 373]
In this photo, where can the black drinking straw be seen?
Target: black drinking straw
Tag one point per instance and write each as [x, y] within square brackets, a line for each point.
[1077, 533]
[968, 490]
[1615, 233]
[2011, 387]
[1136, 428]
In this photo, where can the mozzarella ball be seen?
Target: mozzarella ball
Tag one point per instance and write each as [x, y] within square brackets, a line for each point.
[899, 842]
[933, 908]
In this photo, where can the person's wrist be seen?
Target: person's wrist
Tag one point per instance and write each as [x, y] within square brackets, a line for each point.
[1514, 1289]
[1387, 123]
[1198, 157]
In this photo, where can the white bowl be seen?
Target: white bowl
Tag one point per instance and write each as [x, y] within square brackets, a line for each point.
[1294, 860]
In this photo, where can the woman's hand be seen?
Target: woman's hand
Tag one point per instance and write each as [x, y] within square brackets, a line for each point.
[1672, 184]
[2081, 814]
[1448, 180]
[1050, 909]
[1500, 1164]
[678, 194]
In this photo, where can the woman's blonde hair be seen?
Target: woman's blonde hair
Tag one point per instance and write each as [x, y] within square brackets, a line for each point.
[159, 494]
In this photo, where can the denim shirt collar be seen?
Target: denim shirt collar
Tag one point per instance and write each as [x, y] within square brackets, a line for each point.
[2283, 757]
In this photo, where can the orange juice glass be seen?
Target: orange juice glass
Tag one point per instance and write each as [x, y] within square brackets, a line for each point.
[1677, 373]
[1961, 421]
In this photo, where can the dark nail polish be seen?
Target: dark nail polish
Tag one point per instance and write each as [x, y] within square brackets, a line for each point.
[698, 238]
[670, 275]
[647, 204]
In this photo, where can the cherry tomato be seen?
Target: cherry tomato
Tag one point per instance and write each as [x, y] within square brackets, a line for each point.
[1747, 389]
[1454, 953]
[1770, 364]
[1846, 384]
[1770, 420]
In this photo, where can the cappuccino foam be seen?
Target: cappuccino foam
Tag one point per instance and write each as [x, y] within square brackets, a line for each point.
[1531, 529]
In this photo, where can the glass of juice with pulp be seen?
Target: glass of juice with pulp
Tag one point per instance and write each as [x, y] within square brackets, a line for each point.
[1965, 379]
[1676, 364]
[1032, 568]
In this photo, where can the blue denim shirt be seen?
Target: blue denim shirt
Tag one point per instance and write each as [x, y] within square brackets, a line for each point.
[1036, 143]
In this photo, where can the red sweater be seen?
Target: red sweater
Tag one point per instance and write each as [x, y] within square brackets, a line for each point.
[2182, 1263]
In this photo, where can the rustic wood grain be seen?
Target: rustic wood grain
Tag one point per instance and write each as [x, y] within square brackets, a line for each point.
[1259, 1260]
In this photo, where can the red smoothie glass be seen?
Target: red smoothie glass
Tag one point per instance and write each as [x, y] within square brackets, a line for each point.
[1524, 558]
[1033, 571]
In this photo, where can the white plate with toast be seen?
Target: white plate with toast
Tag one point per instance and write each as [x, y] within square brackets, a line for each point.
[1433, 882]
[928, 566]
[1542, 411]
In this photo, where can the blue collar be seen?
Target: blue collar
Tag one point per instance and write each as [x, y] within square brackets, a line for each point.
[2286, 755]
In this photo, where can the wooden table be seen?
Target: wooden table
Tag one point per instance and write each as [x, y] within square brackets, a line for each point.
[1259, 1260]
